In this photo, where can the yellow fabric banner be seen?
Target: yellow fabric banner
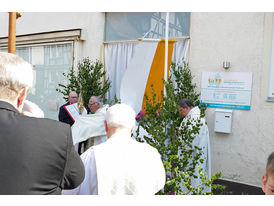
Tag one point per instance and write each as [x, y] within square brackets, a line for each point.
[157, 71]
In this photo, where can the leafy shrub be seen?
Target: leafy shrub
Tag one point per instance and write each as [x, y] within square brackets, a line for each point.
[89, 80]
[161, 120]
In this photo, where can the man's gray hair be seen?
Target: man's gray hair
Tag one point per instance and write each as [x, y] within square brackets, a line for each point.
[15, 74]
[97, 99]
[185, 102]
[120, 115]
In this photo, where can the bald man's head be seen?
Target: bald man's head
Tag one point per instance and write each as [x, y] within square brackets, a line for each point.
[73, 97]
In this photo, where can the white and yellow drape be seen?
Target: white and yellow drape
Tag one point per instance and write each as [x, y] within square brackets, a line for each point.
[133, 67]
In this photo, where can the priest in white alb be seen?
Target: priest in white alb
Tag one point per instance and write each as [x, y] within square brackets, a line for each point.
[91, 126]
[192, 115]
[121, 165]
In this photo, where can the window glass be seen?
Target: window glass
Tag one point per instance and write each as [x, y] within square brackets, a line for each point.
[134, 25]
[49, 62]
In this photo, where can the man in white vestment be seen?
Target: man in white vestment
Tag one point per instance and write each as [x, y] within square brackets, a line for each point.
[121, 165]
[91, 125]
[201, 140]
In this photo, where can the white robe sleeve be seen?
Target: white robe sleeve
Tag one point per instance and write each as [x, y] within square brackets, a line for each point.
[89, 184]
[202, 141]
[88, 126]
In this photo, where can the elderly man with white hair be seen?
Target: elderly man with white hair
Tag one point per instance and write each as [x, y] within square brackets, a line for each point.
[121, 165]
[36, 154]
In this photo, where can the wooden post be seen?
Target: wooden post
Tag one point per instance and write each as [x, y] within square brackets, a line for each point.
[12, 31]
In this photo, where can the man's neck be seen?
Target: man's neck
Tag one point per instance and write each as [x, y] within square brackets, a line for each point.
[113, 130]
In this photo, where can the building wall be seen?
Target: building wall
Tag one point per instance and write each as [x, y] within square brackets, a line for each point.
[92, 24]
[243, 39]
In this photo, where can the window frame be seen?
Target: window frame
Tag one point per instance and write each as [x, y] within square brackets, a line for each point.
[270, 93]
[47, 39]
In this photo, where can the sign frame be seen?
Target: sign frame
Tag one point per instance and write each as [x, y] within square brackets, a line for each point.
[231, 90]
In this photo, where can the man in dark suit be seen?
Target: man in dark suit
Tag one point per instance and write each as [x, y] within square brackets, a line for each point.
[36, 154]
[63, 114]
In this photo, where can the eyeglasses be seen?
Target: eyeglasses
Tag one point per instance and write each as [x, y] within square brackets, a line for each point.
[92, 104]
[74, 97]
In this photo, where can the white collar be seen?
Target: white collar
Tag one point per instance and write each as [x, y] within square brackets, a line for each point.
[4, 100]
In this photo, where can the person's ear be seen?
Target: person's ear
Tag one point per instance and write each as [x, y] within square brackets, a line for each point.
[264, 180]
[21, 98]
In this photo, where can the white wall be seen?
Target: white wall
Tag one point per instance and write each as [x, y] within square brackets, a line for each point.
[33, 22]
[242, 39]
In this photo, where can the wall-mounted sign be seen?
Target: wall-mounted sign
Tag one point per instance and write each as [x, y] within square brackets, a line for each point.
[226, 89]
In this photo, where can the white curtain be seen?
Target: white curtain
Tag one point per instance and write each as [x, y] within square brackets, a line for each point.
[135, 77]
[180, 54]
[180, 51]
[117, 57]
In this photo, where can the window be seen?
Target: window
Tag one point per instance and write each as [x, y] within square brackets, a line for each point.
[50, 60]
[132, 25]
[51, 53]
